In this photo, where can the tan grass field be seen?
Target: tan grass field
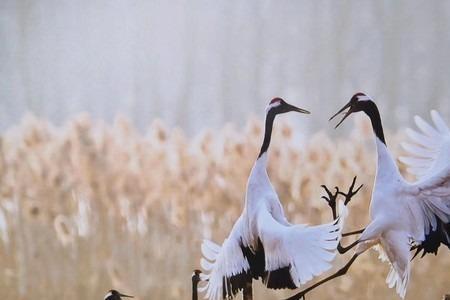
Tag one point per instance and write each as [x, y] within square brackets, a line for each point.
[87, 207]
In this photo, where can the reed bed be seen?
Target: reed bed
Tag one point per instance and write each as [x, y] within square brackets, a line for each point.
[87, 206]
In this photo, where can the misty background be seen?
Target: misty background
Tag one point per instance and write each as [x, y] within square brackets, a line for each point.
[200, 64]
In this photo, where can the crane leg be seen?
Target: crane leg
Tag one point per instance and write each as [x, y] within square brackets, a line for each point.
[343, 250]
[353, 232]
[339, 273]
[247, 293]
[331, 197]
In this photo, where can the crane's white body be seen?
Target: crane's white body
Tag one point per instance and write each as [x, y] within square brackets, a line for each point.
[306, 250]
[402, 213]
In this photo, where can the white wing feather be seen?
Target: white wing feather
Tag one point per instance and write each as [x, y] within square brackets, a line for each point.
[221, 262]
[433, 195]
[429, 152]
[308, 250]
[429, 160]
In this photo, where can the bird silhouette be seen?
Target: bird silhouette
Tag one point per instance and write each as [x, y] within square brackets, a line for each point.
[115, 295]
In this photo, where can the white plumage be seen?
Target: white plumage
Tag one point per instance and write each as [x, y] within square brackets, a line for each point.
[403, 214]
[263, 244]
[429, 150]
[429, 160]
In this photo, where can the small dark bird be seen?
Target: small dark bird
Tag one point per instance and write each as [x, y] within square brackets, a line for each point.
[115, 295]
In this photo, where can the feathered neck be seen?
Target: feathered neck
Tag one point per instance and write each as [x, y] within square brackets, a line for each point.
[371, 110]
[270, 117]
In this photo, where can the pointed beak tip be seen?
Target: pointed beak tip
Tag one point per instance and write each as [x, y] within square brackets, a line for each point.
[334, 116]
[297, 109]
[342, 111]
[300, 110]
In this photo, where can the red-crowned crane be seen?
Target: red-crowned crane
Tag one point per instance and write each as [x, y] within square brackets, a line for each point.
[404, 216]
[262, 243]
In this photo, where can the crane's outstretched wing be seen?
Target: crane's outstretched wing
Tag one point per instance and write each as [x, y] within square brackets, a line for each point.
[429, 149]
[295, 254]
[226, 268]
[431, 209]
[429, 160]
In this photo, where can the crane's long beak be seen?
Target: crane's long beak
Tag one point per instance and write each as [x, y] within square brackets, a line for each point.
[126, 296]
[300, 110]
[348, 113]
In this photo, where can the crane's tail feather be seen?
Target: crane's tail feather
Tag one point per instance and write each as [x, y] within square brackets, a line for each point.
[394, 249]
[399, 280]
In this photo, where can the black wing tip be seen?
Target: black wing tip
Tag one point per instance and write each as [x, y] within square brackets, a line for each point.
[434, 239]
[279, 279]
[234, 284]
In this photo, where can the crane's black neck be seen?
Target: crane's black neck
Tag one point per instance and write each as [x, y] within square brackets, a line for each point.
[270, 117]
[371, 110]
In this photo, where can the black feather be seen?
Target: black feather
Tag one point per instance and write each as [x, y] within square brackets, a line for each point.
[276, 279]
[434, 239]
